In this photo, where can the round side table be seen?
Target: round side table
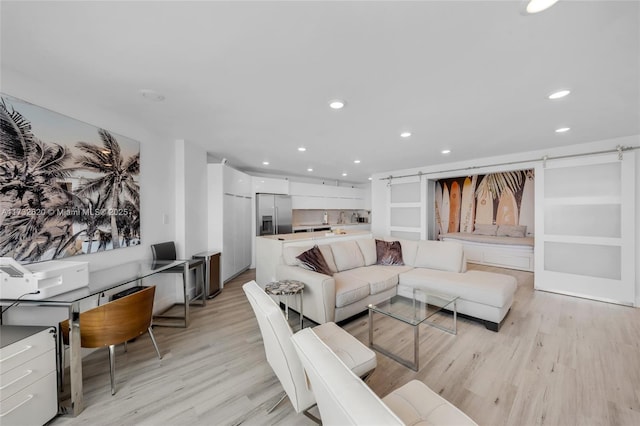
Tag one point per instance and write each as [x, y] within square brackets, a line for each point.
[287, 288]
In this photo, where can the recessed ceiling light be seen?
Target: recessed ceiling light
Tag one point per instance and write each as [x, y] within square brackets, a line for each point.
[266, 163]
[356, 161]
[535, 6]
[302, 149]
[344, 174]
[563, 129]
[337, 104]
[405, 134]
[370, 178]
[309, 169]
[151, 95]
[559, 94]
[445, 151]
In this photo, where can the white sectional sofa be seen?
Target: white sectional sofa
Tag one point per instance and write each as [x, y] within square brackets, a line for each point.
[358, 281]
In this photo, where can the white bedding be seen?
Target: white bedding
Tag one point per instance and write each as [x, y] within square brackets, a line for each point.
[489, 239]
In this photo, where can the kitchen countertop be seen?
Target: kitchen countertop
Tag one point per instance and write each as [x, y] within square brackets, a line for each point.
[319, 225]
[301, 236]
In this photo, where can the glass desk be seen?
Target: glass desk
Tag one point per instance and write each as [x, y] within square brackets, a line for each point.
[413, 311]
[100, 282]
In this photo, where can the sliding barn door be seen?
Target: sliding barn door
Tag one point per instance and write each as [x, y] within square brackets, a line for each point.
[585, 227]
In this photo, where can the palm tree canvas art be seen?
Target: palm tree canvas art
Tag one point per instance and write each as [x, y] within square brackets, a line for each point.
[66, 187]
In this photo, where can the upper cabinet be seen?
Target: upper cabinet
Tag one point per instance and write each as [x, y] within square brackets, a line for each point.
[235, 182]
[328, 197]
[267, 185]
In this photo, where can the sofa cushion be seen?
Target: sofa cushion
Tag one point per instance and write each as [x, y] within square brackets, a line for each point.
[512, 231]
[347, 255]
[485, 229]
[313, 260]
[349, 288]
[328, 257]
[380, 277]
[483, 287]
[441, 255]
[368, 249]
[409, 249]
[388, 253]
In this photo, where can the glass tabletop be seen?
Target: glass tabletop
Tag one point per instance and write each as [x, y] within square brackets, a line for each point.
[414, 310]
[107, 279]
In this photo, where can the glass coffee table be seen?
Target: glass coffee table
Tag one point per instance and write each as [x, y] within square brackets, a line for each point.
[413, 311]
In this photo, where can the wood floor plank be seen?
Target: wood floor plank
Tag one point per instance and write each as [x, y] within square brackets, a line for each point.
[557, 360]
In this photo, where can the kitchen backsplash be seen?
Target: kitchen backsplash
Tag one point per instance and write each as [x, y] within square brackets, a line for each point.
[312, 217]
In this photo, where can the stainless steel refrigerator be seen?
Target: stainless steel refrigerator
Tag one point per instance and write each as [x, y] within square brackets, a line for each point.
[274, 214]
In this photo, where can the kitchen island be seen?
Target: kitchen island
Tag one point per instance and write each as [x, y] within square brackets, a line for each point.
[269, 248]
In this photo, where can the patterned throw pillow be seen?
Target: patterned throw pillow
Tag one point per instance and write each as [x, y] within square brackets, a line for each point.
[313, 260]
[389, 253]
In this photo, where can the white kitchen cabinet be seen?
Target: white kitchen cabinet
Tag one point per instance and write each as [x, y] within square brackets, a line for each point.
[230, 218]
[28, 379]
[270, 185]
[326, 197]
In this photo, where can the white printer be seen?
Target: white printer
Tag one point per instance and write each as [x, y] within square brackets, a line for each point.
[41, 280]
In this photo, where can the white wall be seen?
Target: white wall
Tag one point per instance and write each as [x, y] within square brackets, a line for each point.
[379, 190]
[157, 176]
[191, 199]
[191, 203]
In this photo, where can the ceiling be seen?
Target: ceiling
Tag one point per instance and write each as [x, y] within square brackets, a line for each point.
[251, 81]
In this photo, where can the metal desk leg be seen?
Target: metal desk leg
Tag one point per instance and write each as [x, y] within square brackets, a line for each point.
[185, 278]
[75, 360]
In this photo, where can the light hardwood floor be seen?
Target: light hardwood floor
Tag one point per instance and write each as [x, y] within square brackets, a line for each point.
[557, 360]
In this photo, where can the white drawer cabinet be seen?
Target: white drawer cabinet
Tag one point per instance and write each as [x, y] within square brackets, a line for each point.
[28, 379]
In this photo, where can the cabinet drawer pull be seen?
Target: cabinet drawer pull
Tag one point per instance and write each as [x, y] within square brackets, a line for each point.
[16, 380]
[29, 398]
[26, 348]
